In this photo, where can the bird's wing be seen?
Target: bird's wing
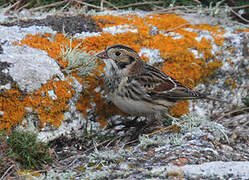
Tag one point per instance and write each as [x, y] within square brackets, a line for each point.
[158, 85]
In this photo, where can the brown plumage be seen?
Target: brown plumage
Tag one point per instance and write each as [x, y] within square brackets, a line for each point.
[138, 88]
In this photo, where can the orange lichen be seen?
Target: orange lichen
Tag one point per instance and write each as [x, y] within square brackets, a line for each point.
[231, 63]
[180, 109]
[12, 108]
[243, 30]
[180, 62]
[145, 58]
[231, 82]
[49, 110]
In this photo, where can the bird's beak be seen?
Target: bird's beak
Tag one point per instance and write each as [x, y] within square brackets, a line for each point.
[102, 55]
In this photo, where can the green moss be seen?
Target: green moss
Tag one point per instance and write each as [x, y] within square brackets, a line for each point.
[25, 149]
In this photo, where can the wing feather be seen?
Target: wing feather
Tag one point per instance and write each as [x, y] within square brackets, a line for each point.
[160, 86]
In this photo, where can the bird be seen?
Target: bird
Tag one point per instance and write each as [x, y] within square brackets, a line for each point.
[138, 88]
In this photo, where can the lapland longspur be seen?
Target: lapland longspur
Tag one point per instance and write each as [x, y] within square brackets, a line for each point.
[138, 88]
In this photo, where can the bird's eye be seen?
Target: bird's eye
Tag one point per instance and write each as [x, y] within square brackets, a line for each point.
[117, 53]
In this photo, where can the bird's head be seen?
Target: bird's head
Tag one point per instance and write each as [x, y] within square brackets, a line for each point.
[123, 56]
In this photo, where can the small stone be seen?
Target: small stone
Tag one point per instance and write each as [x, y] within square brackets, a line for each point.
[210, 137]
[52, 94]
[153, 30]
[1, 50]
[226, 148]
[174, 171]
[28, 109]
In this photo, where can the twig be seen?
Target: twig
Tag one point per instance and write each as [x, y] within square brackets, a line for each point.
[196, 1]
[101, 5]
[226, 114]
[238, 15]
[100, 144]
[49, 5]
[178, 27]
[245, 51]
[83, 154]
[169, 10]
[9, 8]
[241, 24]
[89, 149]
[140, 4]
[6, 172]
[157, 7]
[111, 141]
[87, 4]
[65, 6]
[75, 158]
[240, 7]
[245, 86]
[18, 4]
[24, 6]
[133, 141]
[110, 4]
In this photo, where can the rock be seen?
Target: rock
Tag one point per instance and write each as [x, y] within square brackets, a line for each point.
[30, 68]
[217, 170]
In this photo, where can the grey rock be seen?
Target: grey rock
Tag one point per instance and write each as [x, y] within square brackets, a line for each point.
[217, 170]
[30, 68]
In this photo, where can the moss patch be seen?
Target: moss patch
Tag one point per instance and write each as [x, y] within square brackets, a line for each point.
[27, 151]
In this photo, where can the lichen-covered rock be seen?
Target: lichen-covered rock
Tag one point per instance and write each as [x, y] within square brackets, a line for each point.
[193, 53]
[36, 94]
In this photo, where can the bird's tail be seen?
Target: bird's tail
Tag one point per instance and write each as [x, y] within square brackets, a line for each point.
[215, 99]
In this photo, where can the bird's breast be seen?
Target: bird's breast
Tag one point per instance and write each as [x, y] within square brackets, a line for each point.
[133, 107]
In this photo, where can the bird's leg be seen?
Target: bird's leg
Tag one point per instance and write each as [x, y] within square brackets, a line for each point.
[134, 123]
[165, 121]
[152, 123]
[128, 123]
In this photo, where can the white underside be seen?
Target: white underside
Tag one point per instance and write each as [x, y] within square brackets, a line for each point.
[132, 107]
[138, 108]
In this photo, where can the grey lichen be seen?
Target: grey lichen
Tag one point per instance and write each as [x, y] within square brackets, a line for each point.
[100, 163]
[78, 60]
[191, 122]
[148, 141]
[106, 156]
[99, 174]
[187, 124]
